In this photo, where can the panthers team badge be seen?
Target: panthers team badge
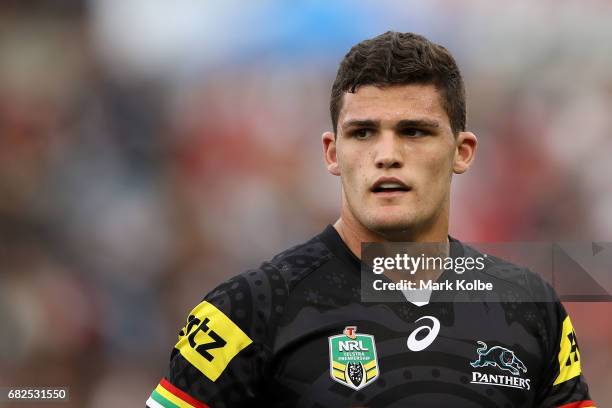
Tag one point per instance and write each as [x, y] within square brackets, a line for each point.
[499, 357]
[352, 358]
[503, 360]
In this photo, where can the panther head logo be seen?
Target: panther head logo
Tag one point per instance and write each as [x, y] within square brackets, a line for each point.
[499, 357]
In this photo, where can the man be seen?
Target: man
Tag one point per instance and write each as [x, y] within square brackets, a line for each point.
[295, 332]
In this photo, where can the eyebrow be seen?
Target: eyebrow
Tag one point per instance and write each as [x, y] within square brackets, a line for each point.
[369, 123]
[402, 124]
[418, 123]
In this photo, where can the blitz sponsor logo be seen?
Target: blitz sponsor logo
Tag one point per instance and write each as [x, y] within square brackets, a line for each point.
[503, 359]
[210, 340]
[202, 326]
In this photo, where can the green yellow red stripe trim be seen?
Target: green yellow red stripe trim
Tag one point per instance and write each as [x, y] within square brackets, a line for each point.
[156, 400]
[166, 395]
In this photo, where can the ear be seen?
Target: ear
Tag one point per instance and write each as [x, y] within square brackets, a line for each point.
[465, 152]
[329, 153]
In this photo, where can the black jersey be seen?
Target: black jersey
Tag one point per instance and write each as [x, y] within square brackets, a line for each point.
[295, 333]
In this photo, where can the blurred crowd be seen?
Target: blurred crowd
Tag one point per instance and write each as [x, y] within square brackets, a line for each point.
[150, 150]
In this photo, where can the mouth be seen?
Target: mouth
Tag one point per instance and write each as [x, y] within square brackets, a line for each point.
[389, 186]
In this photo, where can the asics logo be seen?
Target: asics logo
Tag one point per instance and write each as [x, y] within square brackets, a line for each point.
[432, 333]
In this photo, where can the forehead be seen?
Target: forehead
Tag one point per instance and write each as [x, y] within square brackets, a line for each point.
[393, 103]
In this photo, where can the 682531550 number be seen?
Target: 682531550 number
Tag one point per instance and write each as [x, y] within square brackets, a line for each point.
[34, 394]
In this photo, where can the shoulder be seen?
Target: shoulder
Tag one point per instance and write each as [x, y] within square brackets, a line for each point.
[255, 298]
[525, 296]
[512, 281]
[296, 263]
[279, 274]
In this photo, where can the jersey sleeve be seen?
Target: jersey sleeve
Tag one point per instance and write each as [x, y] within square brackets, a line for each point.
[223, 349]
[564, 385]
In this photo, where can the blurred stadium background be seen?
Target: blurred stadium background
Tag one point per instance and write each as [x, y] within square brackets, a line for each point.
[151, 149]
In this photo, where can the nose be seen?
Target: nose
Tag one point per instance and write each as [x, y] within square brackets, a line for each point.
[387, 152]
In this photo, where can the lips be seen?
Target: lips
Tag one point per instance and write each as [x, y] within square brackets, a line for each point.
[389, 185]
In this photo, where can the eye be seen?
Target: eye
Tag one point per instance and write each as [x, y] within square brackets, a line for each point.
[414, 132]
[362, 133]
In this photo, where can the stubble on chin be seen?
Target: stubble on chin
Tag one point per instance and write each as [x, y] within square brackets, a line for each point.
[394, 229]
[397, 232]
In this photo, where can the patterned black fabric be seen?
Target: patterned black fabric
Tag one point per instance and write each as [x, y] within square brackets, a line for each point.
[486, 354]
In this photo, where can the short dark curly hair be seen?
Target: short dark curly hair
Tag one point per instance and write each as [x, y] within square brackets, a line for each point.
[396, 58]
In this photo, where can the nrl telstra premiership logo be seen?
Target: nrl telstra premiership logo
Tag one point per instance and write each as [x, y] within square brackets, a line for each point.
[504, 359]
[352, 358]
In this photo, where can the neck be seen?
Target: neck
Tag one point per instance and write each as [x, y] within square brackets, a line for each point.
[353, 233]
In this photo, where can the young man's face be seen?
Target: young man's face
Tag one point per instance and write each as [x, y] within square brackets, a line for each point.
[395, 153]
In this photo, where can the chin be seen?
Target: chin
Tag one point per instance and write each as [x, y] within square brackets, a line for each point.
[386, 225]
